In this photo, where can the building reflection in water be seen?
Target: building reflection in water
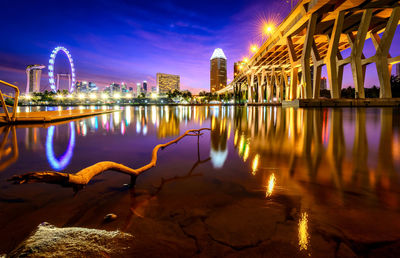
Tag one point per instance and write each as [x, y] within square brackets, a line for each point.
[219, 136]
[63, 161]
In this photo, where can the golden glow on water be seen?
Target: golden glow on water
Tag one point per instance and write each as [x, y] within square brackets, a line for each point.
[255, 164]
[304, 236]
[241, 144]
[236, 138]
[270, 186]
[246, 152]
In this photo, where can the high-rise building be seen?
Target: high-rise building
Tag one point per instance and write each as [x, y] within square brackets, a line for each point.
[33, 76]
[123, 87]
[138, 89]
[236, 68]
[323, 85]
[217, 70]
[144, 88]
[167, 82]
[115, 87]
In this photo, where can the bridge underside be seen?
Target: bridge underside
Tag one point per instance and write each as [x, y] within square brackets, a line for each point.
[288, 66]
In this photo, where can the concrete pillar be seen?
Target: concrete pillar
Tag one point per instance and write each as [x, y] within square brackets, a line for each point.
[382, 46]
[357, 52]
[331, 56]
[294, 69]
[317, 70]
[305, 57]
[260, 79]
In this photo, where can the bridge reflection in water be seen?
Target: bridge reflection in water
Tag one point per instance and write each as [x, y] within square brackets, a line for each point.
[317, 145]
[293, 175]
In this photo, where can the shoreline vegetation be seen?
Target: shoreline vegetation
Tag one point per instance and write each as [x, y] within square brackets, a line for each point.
[177, 97]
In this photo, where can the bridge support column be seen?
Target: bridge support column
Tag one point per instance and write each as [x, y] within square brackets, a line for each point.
[294, 77]
[305, 57]
[279, 86]
[260, 79]
[286, 81]
[357, 46]
[269, 88]
[317, 70]
[294, 72]
[382, 46]
[331, 56]
[250, 86]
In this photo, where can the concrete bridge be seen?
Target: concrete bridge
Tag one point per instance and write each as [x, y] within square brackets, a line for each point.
[288, 65]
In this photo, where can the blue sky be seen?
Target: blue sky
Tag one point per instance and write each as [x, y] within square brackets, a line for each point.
[130, 41]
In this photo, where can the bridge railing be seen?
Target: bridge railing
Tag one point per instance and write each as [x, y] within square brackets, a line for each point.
[9, 116]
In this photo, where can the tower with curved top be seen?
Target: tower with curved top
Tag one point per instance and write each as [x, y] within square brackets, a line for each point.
[217, 70]
[33, 76]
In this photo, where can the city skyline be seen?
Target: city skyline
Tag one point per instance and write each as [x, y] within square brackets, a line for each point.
[177, 38]
[131, 45]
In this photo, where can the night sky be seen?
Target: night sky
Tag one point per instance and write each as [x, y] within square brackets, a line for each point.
[130, 41]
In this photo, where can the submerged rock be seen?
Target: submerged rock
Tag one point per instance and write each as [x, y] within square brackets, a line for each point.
[51, 241]
[110, 217]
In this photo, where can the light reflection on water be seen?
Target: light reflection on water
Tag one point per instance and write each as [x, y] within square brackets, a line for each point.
[323, 159]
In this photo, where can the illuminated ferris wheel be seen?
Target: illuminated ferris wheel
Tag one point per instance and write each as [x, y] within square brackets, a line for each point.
[52, 80]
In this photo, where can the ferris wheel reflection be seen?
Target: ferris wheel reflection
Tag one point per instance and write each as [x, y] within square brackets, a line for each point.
[63, 161]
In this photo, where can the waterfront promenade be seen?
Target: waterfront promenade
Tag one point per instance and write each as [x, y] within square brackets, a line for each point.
[51, 116]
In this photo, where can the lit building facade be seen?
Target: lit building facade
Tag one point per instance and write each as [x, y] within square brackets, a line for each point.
[33, 76]
[323, 85]
[217, 70]
[138, 89]
[167, 82]
[236, 68]
[144, 88]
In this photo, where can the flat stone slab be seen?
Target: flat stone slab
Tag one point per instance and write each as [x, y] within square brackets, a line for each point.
[52, 116]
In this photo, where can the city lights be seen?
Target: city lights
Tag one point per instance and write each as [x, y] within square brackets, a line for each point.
[117, 96]
[81, 96]
[245, 60]
[253, 48]
[104, 96]
[268, 28]
[92, 96]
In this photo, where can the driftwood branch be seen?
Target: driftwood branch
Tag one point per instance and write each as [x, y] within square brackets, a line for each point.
[85, 175]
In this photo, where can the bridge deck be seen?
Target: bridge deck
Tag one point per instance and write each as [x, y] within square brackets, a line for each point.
[52, 116]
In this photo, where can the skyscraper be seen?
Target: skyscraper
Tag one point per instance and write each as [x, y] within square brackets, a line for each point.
[138, 89]
[144, 88]
[236, 68]
[33, 75]
[217, 70]
[167, 82]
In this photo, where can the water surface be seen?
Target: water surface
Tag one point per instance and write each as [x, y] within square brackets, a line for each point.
[264, 181]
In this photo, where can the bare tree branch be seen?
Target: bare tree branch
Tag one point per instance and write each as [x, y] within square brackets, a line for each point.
[85, 175]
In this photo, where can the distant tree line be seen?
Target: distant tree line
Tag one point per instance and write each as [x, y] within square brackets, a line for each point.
[350, 93]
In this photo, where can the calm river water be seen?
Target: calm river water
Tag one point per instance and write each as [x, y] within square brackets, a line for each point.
[265, 181]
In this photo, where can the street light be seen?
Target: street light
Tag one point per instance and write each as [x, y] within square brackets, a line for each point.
[268, 28]
[253, 48]
[245, 60]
